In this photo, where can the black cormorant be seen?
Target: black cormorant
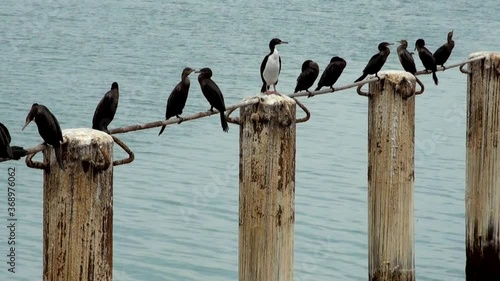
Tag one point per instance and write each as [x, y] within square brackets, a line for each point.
[406, 58]
[426, 58]
[7, 151]
[177, 99]
[213, 94]
[310, 71]
[442, 54]
[48, 128]
[106, 109]
[376, 61]
[270, 67]
[332, 73]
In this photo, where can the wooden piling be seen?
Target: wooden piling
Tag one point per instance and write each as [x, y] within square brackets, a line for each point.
[483, 169]
[391, 131]
[267, 189]
[78, 209]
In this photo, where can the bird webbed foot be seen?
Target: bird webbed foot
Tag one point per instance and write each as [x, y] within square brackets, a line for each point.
[180, 119]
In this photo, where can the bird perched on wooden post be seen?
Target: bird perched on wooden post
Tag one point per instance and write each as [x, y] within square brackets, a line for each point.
[310, 71]
[213, 94]
[376, 61]
[427, 59]
[178, 97]
[270, 67]
[7, 151]
[48, 128]
[106, 109]
[442, 54]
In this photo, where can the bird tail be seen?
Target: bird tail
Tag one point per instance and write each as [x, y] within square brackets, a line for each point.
[223, 122]
[59, 158]
[434, 77]
[162, 129]
[264, 88]
[9, 152]
[18, 152]
[361, 77]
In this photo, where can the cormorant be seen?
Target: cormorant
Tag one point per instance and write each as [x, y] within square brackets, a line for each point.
[376, 61]
[270, 67]
[332, 73]
[106, 109]
[406, 58]
[426, 58]
[442, 54]
[310, 71]
[213, 94]
[7, 151]
[177, 99]
[48, 128]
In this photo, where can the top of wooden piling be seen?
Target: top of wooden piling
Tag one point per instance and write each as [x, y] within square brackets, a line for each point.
[271, 99]
[85, 136]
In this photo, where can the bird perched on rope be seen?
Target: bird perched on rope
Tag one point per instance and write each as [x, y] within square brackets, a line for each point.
[48, 128]
[270, 67]
[310, 71]
[178, 97]
[7, 151]
[427, 59]
[213, 94]
[331, 73]
[376, 61]
[442, 54]
[405, 58]
[106, 109]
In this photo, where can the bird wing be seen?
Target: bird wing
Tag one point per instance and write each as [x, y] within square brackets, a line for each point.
[262, 66]
[214, 95]
[171, 101]
[106, 107]
[5, 132]
[440, 51]
[374, 60]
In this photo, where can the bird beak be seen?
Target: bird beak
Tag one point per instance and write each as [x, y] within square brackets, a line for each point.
[284, 42]
[27, 122]
[415, 48]
[390, 44]
[197, 71]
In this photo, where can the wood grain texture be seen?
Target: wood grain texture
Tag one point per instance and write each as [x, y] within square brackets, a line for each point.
[483, 169]
[391, 136]
[78, 210]
[267, 189]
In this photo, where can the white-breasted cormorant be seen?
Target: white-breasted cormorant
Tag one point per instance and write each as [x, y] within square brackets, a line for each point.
[48, 128]
[376, 61]
[178, 97]
[213, 94]
[426, 58]
[310, 71]
[406, 58]
[442, 54]
[106, 109]
[7, 151]
[332, 73]
[270, 67]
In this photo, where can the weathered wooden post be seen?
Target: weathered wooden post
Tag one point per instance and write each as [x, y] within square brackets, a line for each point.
[78, 209]
[267, 189]
[391, 132]
[483, 169]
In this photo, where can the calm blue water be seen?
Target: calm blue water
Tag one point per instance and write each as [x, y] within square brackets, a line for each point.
[176, 205]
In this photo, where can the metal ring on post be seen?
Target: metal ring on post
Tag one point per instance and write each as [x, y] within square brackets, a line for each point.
[235, 120]
[125, 147]
[104, 163]
[361, 93]
[308, 113]
[464, 70]
[34, 164]
[422, 88]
